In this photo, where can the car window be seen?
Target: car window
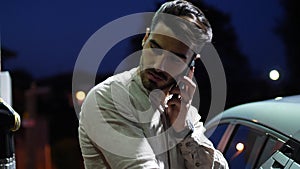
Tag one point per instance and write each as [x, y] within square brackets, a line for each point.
[243, 148]
[270, 147]
[215, 133]
[287, 157]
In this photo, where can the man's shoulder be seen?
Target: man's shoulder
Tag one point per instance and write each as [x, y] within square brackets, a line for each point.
[112, 92]
[122, 78]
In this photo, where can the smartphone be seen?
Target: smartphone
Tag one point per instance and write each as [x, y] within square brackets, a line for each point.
[181, 85]
[191, 65]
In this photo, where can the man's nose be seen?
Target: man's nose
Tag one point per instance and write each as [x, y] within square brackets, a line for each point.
[161, 62]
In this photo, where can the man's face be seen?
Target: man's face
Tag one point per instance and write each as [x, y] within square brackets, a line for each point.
[163, 58]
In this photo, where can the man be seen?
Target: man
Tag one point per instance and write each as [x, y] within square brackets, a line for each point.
[143, 118]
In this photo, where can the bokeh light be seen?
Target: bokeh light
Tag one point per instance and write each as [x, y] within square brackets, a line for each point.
[274, 75]
[239, 146]
[80, 95]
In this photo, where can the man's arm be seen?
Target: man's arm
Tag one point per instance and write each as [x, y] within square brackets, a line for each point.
[195, 148]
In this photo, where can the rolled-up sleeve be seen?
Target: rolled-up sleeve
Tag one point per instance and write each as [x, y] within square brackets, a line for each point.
[198, 151]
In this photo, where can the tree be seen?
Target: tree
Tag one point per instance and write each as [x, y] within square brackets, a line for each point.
[288, 29]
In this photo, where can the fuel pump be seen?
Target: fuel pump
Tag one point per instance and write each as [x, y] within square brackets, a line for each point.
[9, 123]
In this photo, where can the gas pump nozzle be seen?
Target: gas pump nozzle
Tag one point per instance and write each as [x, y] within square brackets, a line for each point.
[10, 122]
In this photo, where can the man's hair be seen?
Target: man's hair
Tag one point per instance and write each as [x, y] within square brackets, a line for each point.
[189, 22]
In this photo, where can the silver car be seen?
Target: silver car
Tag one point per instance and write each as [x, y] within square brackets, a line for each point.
[264, 134]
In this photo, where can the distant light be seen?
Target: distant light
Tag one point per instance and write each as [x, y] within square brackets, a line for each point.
[239, 146]
[80, 95]
[274, 75]
[278, 98]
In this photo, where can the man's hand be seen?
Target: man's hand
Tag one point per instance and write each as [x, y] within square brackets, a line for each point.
[178, 105]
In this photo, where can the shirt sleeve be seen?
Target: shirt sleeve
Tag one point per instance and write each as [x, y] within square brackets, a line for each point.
[109, 139]
[198, 151]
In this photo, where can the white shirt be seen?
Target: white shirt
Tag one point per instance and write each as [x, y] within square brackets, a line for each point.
[119, 128]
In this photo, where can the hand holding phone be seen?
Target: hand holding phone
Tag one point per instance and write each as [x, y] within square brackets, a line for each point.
[177, 89]
[188, 72]
[181, 97]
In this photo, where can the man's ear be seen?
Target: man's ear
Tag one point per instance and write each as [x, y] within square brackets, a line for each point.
[146, 36]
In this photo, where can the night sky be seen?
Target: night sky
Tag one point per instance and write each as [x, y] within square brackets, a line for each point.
[48, 35]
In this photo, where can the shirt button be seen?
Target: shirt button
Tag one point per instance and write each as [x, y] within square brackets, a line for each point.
[197, 164]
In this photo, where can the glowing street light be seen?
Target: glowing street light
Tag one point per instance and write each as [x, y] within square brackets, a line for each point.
[274, 75]
[239, 146]
[80, 95]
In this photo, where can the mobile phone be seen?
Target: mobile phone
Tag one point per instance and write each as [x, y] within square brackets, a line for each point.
[191, 65]
[181, 85]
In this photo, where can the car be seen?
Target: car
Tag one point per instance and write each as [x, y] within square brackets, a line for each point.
[262, 134]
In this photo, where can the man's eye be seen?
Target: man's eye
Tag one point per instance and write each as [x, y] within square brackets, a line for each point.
[155, 50]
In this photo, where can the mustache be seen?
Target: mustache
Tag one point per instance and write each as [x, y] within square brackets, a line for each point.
[159, 73]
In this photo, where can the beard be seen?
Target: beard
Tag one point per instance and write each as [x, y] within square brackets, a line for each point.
[166, 81]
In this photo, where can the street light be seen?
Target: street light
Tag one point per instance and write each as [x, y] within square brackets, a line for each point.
[274, 75]
[80, 95]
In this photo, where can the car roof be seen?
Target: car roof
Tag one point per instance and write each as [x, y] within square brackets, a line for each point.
[281, 114]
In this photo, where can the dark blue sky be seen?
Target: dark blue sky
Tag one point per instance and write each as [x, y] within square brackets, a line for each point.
[254, 22]
[48, 35]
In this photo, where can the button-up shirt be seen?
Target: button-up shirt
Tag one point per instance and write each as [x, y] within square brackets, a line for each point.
[122, 125]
